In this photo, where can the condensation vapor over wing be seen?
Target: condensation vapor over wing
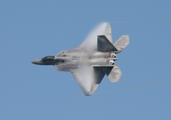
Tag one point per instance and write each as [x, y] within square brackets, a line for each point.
[90, 43]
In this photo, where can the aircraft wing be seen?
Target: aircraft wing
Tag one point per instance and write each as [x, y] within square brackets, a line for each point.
[88, 78]
[90, 43]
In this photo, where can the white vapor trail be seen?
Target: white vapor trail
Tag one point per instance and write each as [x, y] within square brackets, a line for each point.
[134, 87]
[143, 20]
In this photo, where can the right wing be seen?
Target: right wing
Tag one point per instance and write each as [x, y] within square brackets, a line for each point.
[88, 78]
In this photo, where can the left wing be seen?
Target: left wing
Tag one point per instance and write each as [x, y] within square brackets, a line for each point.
[88, 78]
[90, 43]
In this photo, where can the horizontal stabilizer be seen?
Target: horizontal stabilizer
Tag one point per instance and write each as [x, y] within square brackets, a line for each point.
[121, 43]
[104, 45]
[113, 74]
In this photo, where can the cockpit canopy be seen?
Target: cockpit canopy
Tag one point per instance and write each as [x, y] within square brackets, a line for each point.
[48, 58]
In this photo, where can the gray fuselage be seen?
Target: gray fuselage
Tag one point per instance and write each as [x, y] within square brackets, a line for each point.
[68, 60]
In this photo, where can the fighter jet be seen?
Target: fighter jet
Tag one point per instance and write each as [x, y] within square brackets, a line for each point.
[93, 59]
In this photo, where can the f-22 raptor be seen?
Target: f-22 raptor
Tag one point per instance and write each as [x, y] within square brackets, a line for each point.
[91, 60]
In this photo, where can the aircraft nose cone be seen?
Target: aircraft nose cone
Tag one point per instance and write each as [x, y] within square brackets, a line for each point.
[37, 61]
[34, 62]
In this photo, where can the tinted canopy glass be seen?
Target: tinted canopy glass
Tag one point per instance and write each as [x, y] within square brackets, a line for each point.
[48, 58]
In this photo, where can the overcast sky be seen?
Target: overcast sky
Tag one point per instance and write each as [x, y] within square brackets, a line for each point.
[35, 28]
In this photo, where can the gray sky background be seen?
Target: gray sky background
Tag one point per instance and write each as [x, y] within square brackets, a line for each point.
[35, 28]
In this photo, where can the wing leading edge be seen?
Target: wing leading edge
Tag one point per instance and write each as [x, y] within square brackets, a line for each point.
[89, 77]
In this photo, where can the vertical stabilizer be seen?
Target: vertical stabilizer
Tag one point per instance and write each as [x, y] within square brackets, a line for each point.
[104, 45]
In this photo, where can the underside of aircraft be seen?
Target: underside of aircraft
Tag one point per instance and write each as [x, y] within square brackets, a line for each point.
[93, 59]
